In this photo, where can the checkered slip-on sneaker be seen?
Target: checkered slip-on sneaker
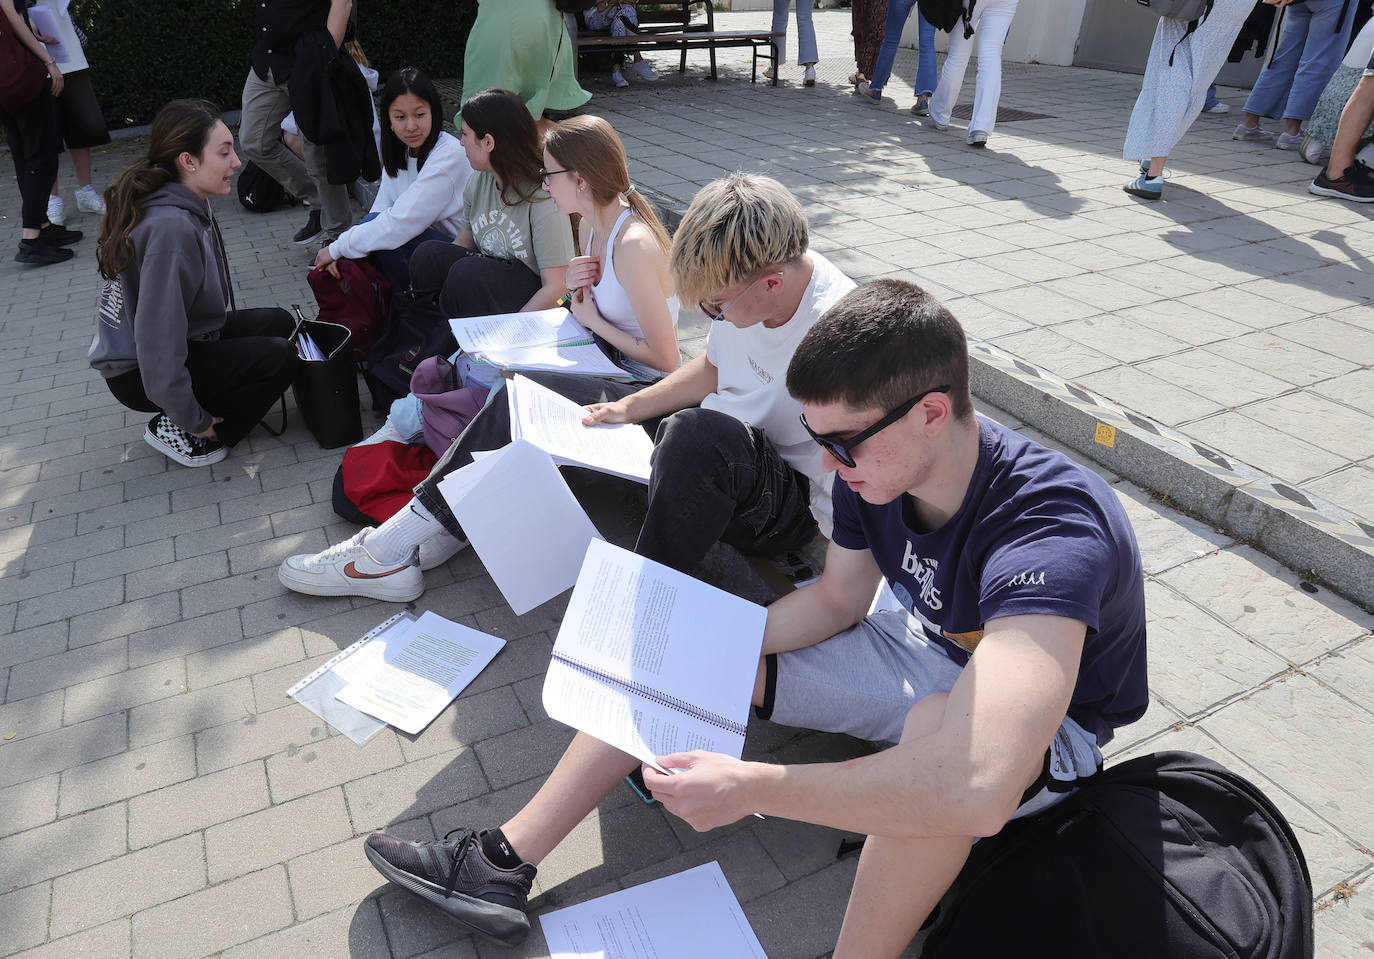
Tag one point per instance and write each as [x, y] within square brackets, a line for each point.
[176, 444]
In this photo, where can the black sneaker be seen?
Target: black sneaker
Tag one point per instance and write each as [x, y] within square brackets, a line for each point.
[311, 229]
[175, 443]
[456, 876]
[1356, 185]
[40, 254]
[54, 235]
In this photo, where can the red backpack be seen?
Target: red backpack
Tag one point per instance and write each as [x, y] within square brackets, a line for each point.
[358, 299]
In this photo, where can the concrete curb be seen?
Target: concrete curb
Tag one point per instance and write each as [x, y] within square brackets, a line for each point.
[1309, 535]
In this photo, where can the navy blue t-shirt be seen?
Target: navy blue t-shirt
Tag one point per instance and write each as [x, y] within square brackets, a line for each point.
[1036, 533]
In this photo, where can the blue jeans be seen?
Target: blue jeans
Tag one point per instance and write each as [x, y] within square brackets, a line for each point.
[806, 30]
[1211, 100]
[897, 13]
[1309, 50]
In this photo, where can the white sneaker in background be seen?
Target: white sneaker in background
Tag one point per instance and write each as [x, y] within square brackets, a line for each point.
[88, 201]
[644, 70]
[385, 432]
[809, 76]
[57, 211]
[618, 78]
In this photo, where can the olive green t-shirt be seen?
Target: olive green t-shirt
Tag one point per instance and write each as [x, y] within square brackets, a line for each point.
[533, 232]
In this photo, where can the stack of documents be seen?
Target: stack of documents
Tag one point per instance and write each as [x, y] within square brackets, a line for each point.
[538, 340]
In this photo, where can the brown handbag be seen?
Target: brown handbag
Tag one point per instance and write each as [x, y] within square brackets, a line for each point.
[21, 73]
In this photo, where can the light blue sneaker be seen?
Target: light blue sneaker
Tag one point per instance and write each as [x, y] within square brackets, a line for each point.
[1145, 166]
[1145, 187]
[1251, 133]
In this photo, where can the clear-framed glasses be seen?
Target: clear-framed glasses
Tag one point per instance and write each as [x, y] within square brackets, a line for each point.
[712, 311]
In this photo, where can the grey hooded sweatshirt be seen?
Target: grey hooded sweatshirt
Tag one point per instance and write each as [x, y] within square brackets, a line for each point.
[176, 288]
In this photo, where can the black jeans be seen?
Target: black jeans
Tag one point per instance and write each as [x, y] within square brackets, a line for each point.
[467, 283]
[713, 478]
[238, 376]
[35, 139]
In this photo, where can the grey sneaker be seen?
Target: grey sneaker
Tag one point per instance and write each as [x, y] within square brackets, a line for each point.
[1251, 133]
[976, 138]
[457, 877]
[1288, 141]
[176, 444]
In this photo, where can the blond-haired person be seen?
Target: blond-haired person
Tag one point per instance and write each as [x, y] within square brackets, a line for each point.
[732, 460]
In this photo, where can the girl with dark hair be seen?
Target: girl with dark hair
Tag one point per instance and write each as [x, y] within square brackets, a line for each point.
[169, 339]
[513, 247]
[621, 287]
[421, 195]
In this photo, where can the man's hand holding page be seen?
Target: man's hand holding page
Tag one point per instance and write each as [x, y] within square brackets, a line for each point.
[616, 412]
[706, 789]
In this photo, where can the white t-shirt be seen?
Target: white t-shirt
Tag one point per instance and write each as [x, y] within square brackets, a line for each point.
[753, 379]
[411, 202]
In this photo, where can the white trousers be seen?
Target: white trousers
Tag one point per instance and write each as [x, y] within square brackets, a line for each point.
[991, 21]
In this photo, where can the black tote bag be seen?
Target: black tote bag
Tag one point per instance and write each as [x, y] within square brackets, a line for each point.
[326, 391]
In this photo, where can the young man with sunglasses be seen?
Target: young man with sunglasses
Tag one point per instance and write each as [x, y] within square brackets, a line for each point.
[731, 460]
[1018, 648]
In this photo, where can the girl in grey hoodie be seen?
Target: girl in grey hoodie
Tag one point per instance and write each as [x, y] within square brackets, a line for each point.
[169, 339]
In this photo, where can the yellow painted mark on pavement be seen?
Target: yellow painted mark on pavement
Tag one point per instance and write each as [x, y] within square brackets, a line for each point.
[1105, 435]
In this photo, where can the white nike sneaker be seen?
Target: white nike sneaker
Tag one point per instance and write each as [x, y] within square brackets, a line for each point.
[348, 569]
[439, 549]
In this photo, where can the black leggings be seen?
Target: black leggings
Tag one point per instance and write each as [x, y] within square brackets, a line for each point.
[35, 140]
[238, 376]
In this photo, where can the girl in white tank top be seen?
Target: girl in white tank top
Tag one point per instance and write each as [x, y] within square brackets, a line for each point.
[621, 286]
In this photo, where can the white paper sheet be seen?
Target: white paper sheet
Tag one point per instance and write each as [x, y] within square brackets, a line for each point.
[511, 330]
[684, 916]
[407, 677]
[554, 424]
[67, 50]
[584, 359]
[523, 521]
[652, 661]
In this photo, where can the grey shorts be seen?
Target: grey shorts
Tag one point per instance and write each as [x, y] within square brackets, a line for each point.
[865, 680]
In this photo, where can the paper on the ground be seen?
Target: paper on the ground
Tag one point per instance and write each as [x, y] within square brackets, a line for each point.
[407, 677]
[523, 521]
[510, 330]
[317, 690]
[652, 661]
[584, 359]
[684, 916]
[554, 424]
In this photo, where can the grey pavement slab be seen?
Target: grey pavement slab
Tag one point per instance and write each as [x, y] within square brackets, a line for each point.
[159, 794]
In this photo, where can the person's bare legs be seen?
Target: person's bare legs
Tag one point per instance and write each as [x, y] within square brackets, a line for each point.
[588, 771]
[1355, 119]
[900, 881]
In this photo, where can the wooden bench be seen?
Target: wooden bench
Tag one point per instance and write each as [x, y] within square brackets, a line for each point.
[669, 26]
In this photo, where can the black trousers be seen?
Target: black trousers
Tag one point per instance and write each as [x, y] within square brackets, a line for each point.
[713, 478]
[238, 376]
[35, 140]
[468, 283]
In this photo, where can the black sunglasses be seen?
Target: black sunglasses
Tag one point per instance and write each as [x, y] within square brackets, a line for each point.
[843, 450]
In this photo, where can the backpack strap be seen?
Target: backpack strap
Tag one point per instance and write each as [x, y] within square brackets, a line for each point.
[1192, 26]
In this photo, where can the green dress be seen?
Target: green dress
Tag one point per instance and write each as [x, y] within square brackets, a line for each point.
[522, 46]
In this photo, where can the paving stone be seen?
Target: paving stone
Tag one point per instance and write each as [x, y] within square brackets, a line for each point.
[255, 737]
[21, 718]
[188, 712]
[30, 644]
[804, 918]
[414, 789]
[745, 862]
[28, 804]
[1343, 928]
[1352, 488]
[1285, 455]
[121, 514]
[1221, 380]
[523, 753]
[216, 539]
[193, 571]
[289, 609]
[127, 884]
[247, 656]
[190, 635]
[226, 593]
[1166, 537]
[1306, 738]
[70, 602]
[133, 687]
[59, 749]
[24, 918]
[38, 583]
[333, 878]
[348, 932]
[64, 669]
[471, 719]
[72, 548]
[132, 616]
[330, 762]
[1261, 599]
[197, 803]
[214, 919]
[127, 774]
[276, 834]
[61, 847]
[163, 527]
[110, 941]
[414, 928]
[118, 562]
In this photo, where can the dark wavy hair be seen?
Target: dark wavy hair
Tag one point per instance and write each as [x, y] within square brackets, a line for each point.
[182, 126]
[403, 81]
[518, 156]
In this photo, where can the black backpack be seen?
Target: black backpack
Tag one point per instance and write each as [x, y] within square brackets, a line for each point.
[946, 14]
[1166, 856]
[416, 331]
[259, 192]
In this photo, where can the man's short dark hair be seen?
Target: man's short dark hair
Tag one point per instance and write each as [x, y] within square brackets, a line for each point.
[879, 346]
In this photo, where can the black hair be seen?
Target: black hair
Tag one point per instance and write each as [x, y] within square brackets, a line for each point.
[403, 81]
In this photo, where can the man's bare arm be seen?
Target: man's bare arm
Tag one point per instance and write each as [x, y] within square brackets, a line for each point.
[686, 386]
[835, 602]
[337, 23]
